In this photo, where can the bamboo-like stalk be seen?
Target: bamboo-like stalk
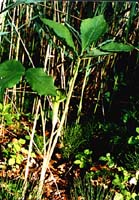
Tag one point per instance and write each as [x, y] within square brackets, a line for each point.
[52, 146]
[2, 18]
[30, 150]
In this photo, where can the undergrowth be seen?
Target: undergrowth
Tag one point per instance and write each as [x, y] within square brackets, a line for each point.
[69, 100]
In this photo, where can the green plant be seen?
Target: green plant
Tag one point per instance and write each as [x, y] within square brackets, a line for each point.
[134, 140]
[73, 138]
[7, 115]
[131, 157]
[10, 189]
[83, 159]
[87, 188]
[91, 31]
[39, 141]
[120, 182]
[11, 72]
[22, 37]
[16, 152]
[108, 159]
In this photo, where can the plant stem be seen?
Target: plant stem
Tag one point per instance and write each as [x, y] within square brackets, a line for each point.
[30, 150]
[87, 72]
[50, 151]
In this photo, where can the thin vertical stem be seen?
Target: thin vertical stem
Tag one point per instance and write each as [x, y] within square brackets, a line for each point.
[48, 156]
[30, 150]
[87, 72]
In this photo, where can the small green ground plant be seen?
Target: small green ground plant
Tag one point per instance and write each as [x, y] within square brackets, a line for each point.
[106, 183]
[83, 159]
[16, 153]
[7, 116]
[87, 188]
[10, 189]
[73, 138]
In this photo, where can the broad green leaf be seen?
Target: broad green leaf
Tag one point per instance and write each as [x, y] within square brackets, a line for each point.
[103, 158]
[116, 47]
[7, 108]
[91, 30]
[60, 31]
[10, 73]
[95, 53]
[87, 152]
[77, 162]
[40, 82]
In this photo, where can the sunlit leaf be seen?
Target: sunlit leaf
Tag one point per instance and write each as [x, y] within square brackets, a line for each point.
[19, 159]
[21, 141]
[60, 31]
[1, 107]
[10, 74]
[118, 196]
[11, 161]
[17, 147]
[116, 47]
[40, 82]
[33, 155]
[27, 137]
[137, 129]
[77, 162]
[131, 140]
[91, 30]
